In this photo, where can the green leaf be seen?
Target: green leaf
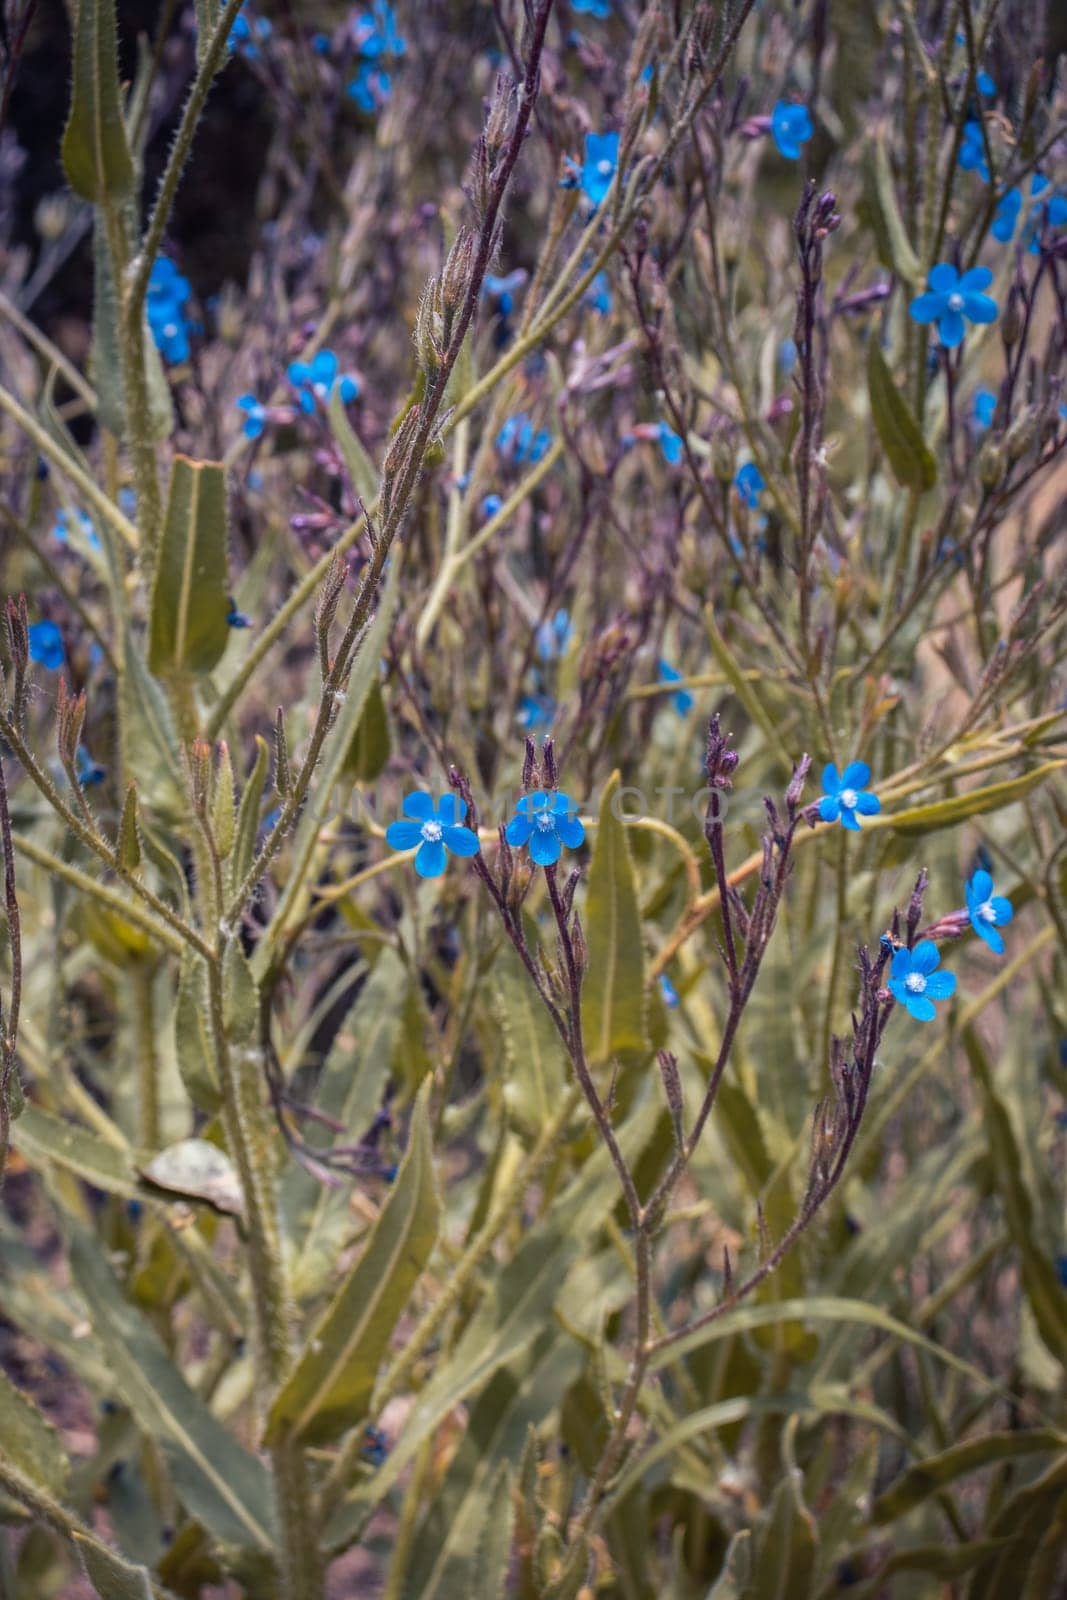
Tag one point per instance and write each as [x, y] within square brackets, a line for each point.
[494, 1553]
[221, 1484]
[960, 807]
[881, 209]
[369, 750]
[537, 1064]
[613, 1005]
[361, 468]
[329, 1389]
[1042, 1287]
[105, 365]
[928, 1477]
[42, 1138]
[938, 1560]
[192, 1040]
[96, 154]
[913, 465]
[784, 1564]
[188, 631]
[244, 848]
[151, 741]
[29, 1441]
[734, 1581]
[350, 1092]
[111, 1576]
[1018, 1528]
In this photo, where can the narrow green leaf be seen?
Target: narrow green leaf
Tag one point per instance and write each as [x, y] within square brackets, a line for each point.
[221, 1484]
[151, 739]
[370, 747]
[938, 1560]
[244, 847]
[613, 1006]
[734, 1581]
[112, 1577]
[42, 1137]
[1046, 1295]
[784, 1564]
[31, 1442]
[927, 1477]
[1017, 1528]
[960, 807]
[188, 631]
[361, 468]
[192, 1041]
[894, 246]
[537, 1066]
[913, 465]
[494, 1553]
[105, 366]
[329, 1389]
[96, 154]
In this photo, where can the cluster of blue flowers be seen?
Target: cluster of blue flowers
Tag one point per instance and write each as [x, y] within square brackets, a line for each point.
[545, 823]
[1050, 212]
[168, 295]
[377, 42]
[247, 34]
[520, 443]
[315, 380]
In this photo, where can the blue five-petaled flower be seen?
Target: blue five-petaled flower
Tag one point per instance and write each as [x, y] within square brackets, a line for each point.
[599, 165]
[915, 982]
[951, 298]
[316, 379]
[972, 156]
[987, 911]
[749, 484]
[985, 408]
[435, 829]
[847, 796]
[255, 415]
[791, 127]
[546, 822]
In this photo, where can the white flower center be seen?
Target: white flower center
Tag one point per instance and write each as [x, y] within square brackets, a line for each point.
[431, 832]
[320, 390]
[849, 798]
[543, 820]
[955, 302]
[604, 168]
[987, 911]
[915, 983]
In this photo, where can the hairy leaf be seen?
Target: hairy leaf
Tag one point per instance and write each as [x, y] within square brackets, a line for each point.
[613, 1005]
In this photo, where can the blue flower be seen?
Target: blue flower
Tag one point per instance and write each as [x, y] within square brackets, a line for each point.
[987, 911]
[370, 88]
[670, 443]
[847, 795]
[235, 618]
[376, 32]
[787, 356]
[915, 982]
[518, 442]
[537, 712]
[986, 85]
[90, 773]
[681, 699]
[315, 380]
[256, 418]
[491, 505]
[545, 822]
[1051, 213]
[168, 294]
[247, 34]
[972, 150]
[435, 829]
[599, 166]
[592, 8]
[46, 645]
[791, 127]
[985, 406]
[749, 484]
[321, 44]
[553, 637]
[950, 298]
[668, 991]
[62, 529]
[502, 291]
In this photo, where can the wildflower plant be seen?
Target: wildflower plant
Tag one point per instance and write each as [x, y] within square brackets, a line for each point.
[474, 1118]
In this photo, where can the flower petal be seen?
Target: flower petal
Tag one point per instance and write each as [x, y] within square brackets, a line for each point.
[1003, 908]
[848, 819]
[897, 990]
[980, 307]
[461, 841]
[563, 805]
[868, 804]
[980, 887]
[403, 835]
[925, 957]
[418, 804]
[544, 847]
[944, 277]
[901, 964]
[571, 832]
[829, 808]
[831, 783]
[518, 830]
[927, 307]
[919, 1007]
[986, 931]
[940, 985]
[977, 278]
[951, 329]
[856, 775]
[450, 808]
[536, 801]
[430, 859]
